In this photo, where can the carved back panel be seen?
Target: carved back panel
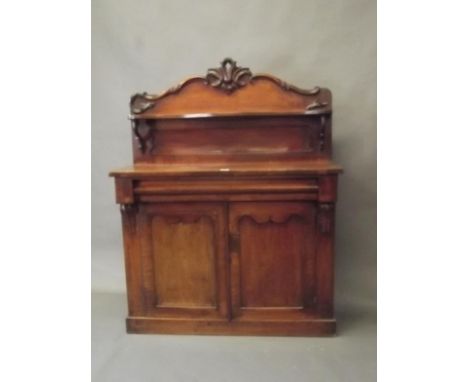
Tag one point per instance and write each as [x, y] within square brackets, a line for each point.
[231, 114]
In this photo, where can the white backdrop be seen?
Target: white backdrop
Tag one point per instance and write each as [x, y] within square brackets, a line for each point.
[151, 45]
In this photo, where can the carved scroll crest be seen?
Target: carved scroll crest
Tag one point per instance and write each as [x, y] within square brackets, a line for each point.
[228, 77]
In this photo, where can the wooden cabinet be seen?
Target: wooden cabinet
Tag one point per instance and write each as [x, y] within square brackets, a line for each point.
[228, 210]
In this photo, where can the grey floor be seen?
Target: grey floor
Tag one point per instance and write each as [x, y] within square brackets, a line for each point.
[117, 356]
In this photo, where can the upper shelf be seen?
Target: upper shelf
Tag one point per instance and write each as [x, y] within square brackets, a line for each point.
[228, 91]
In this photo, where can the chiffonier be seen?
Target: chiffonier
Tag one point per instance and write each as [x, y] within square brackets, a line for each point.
[228, 208]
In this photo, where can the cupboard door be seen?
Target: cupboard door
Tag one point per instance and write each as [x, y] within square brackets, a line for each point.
[272, 249]
[183, 254]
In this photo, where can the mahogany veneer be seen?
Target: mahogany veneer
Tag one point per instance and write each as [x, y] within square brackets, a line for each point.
[228, 209]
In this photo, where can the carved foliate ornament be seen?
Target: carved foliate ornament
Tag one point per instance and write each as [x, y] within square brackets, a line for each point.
[228, 76]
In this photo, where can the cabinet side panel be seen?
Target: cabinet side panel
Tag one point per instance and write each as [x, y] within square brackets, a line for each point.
[184, 262]
[325, 259]
[132, 260]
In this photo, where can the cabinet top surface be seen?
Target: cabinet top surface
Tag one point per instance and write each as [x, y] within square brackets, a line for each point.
[267, 168]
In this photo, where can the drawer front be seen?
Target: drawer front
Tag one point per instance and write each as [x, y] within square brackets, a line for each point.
[226, 190]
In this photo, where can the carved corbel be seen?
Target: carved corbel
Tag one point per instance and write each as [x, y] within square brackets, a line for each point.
[127, 208]
[323, 126]
[145, 139]
[325, 217]
[129, 213]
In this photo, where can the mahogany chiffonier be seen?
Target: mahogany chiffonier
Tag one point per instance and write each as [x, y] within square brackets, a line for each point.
[228, 209]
